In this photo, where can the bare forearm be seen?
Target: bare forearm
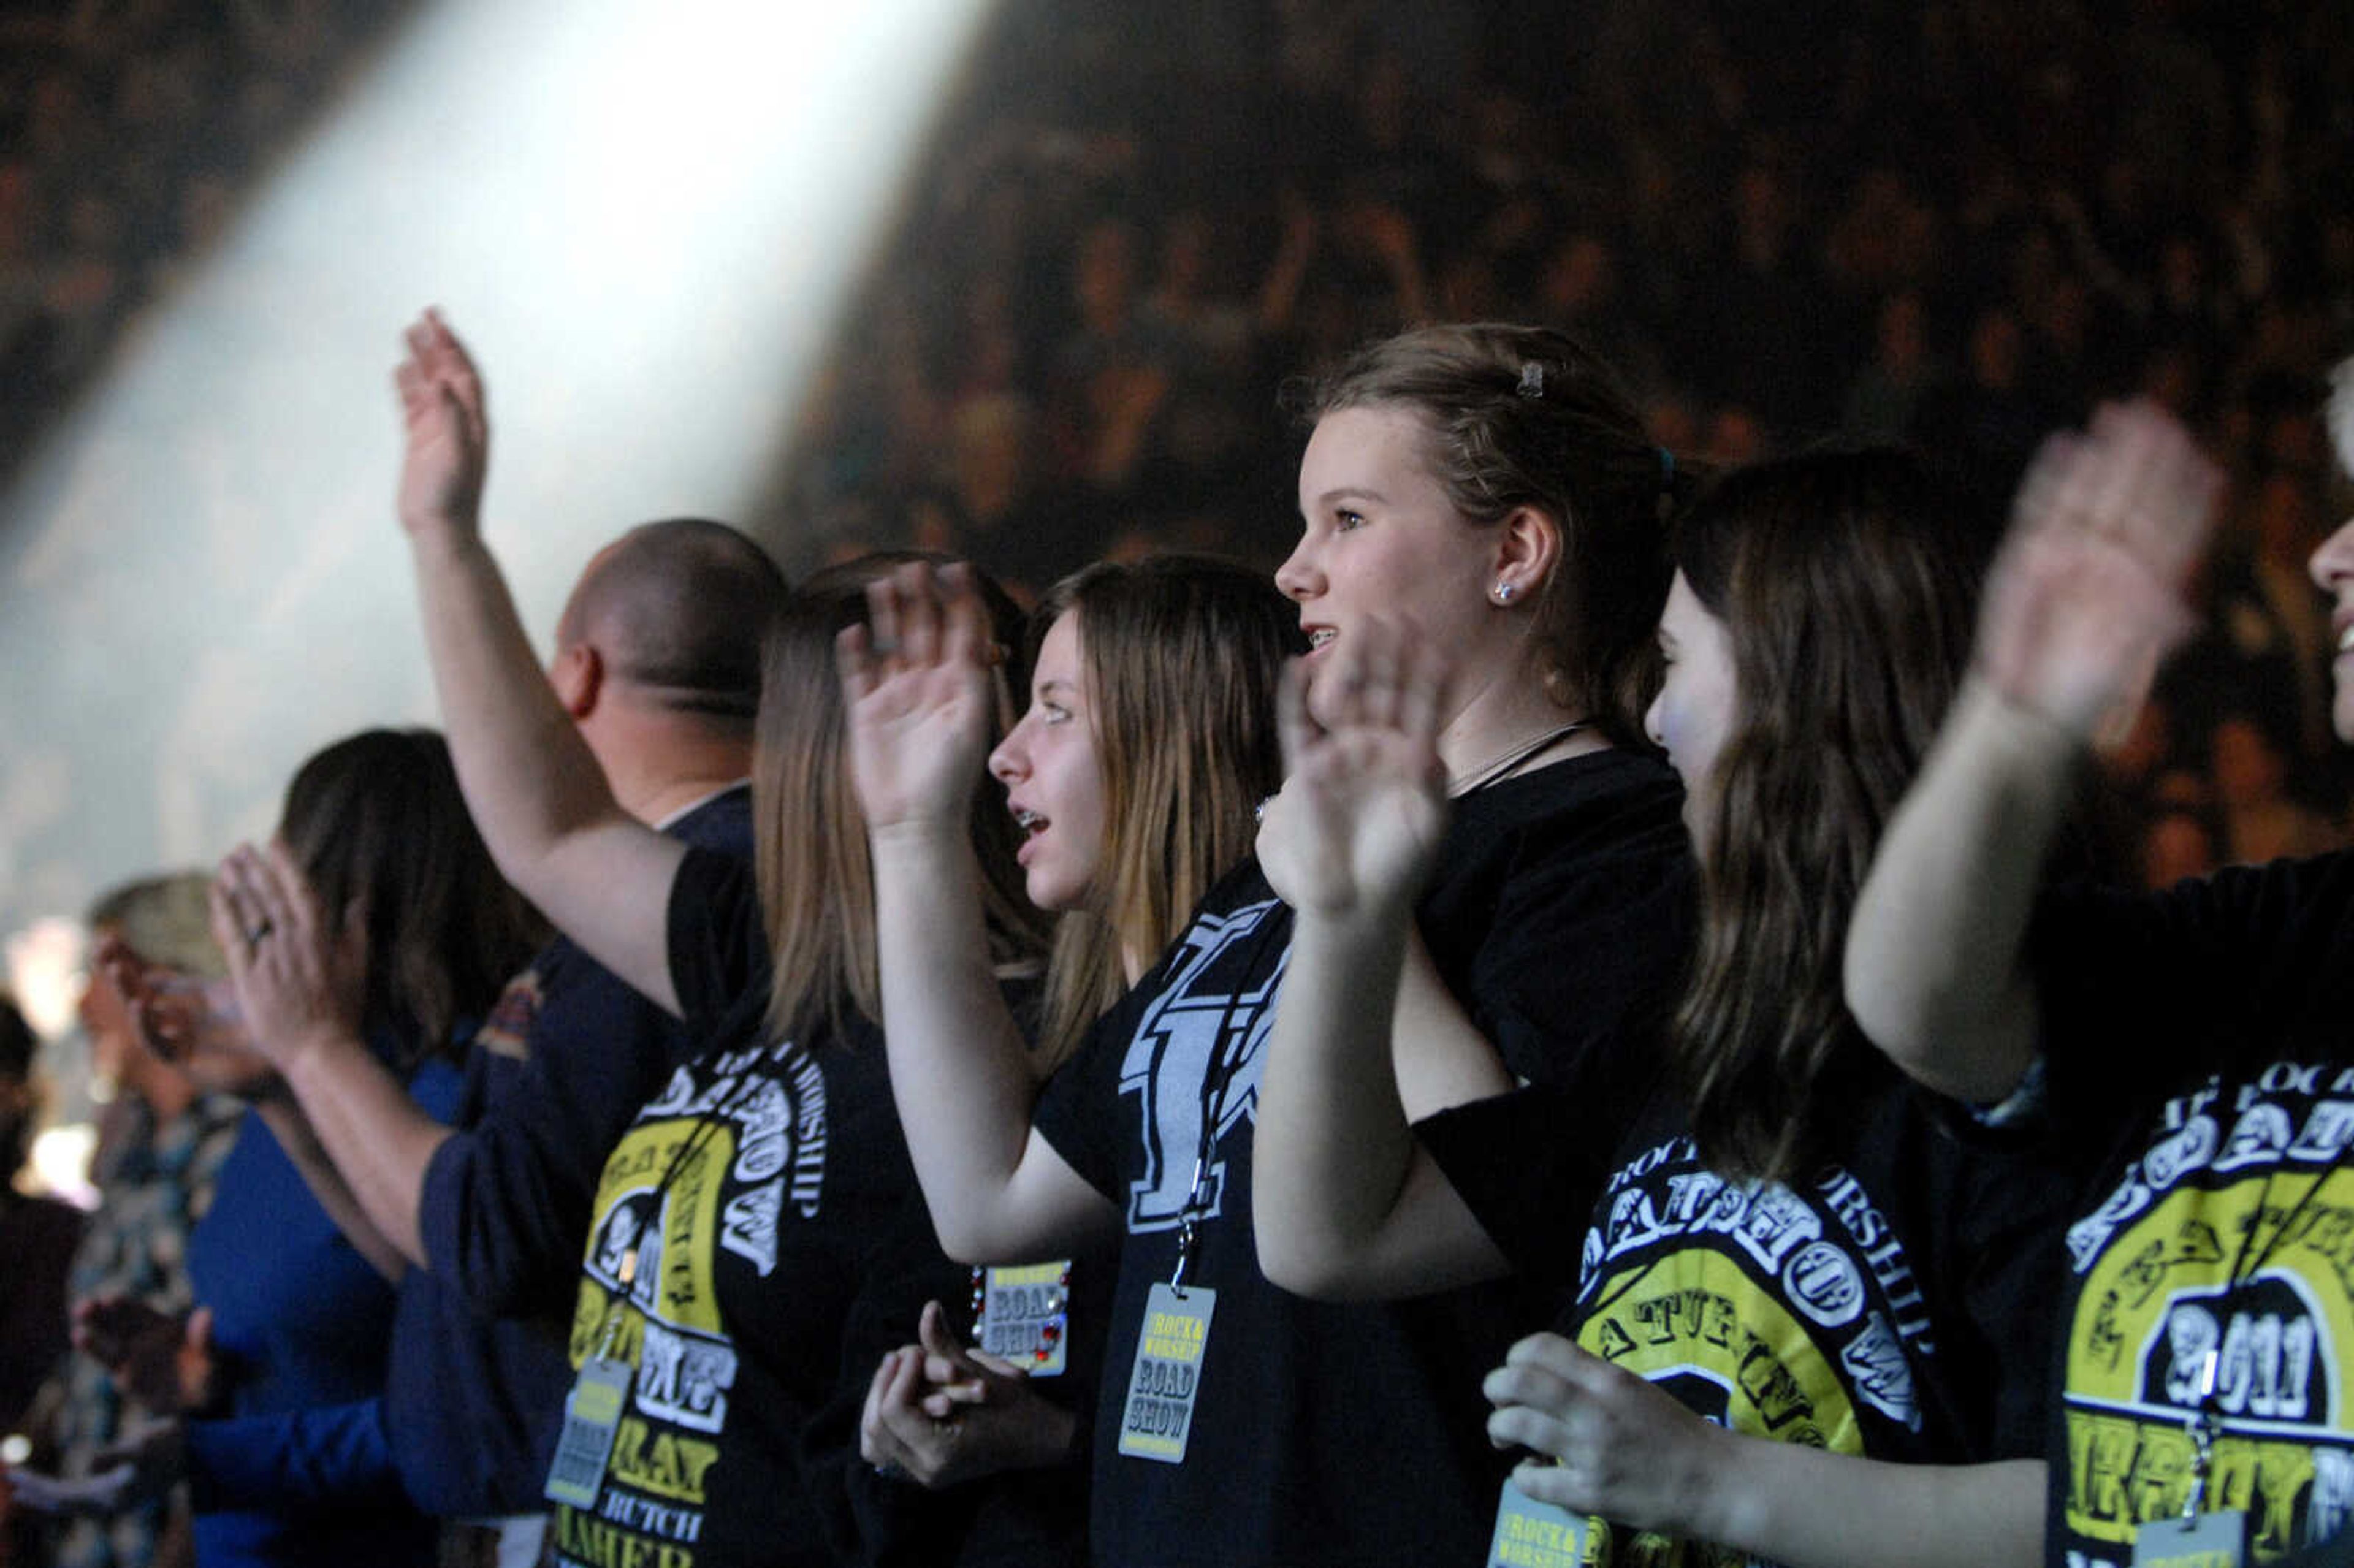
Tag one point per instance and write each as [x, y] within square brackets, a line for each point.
[1346, 1203]
[1332, 1144]
[959, 1067]
[533, 785]
[378, 1140]
[295, 1135]
[1935, 966]
[1809, 1508]
[529, 777]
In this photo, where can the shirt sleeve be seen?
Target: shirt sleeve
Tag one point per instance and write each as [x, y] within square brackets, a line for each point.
[718, 947]
[1530, 1166]
[1078, 1110]
[2137, 990]
[333, 1456]
[1586, 952]
[506, 1203]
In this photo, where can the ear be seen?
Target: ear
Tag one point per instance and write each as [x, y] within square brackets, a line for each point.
[1527, 549]
[578, 677]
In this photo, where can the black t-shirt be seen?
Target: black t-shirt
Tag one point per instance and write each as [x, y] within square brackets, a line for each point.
[1894, 1306]
[768, 1197]
[1327, 1432]
[2197, 1047]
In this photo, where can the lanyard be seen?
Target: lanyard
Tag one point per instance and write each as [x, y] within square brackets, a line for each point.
[1226, 1057]
[697, 1138]
[2206, 1421]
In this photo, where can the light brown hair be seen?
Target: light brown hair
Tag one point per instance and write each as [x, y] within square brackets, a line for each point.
[1526, 417]
[1182, 656]
[815, 873]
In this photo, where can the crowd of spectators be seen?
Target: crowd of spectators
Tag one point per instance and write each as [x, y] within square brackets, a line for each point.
[1953, 223]
[129, 130]
[1957, 222]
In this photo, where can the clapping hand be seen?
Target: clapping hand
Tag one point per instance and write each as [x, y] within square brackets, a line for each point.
[918, 689]
[1363, 803]
[2087, 595]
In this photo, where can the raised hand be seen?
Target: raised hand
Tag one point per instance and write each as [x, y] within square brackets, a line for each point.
[2087, 595]
[162, 1360]
[1363, 801]
[1609, 1442]
[300, 976]
[445, 430]
[193, 1025]
[917, 690]
[939, 1414]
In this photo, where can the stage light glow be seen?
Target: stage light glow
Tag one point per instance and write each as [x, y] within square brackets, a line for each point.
[643, 214]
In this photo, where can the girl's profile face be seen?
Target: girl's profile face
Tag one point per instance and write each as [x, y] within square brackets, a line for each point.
[1379, 538]
[1697, 703]
[1054, 777]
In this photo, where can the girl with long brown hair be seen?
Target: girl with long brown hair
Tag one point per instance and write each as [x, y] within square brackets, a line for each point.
[1493, 481]
[1776, 1242]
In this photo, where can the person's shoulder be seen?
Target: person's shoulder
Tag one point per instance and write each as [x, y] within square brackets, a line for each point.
[721, 823]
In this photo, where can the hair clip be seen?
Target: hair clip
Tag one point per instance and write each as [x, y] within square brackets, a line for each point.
[1532, 380]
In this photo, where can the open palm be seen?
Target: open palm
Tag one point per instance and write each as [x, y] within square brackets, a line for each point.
[916, 689]
[1363, 803]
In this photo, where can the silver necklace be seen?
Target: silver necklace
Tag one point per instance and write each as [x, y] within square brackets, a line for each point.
[1509, 762]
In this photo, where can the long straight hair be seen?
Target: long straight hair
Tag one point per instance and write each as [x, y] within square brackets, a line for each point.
[816, 877]
[1847, 583]
[1182, 655]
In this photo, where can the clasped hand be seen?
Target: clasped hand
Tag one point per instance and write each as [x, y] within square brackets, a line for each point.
[939, 1414]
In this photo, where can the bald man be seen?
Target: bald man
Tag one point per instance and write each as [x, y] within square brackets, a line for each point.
[658, 663]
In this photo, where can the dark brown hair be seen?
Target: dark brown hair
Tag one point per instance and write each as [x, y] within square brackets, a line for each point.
[1182, 655]
[377, 822]
[816, 878]
[1847, 583]
[1527, 416]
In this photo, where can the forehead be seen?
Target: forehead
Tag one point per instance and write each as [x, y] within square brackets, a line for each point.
[1059, 652]
[1683, 613]
[1381, 447]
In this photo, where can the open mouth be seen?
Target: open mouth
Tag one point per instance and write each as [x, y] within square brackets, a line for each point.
[1323, 635]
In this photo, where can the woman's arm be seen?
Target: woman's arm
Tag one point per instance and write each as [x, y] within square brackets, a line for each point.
[1345, 1202]
[534, 787]
[917, 691]
[2084, 601]
[1625, 1450]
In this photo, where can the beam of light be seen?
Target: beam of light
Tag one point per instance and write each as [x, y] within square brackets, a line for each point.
[642, 214]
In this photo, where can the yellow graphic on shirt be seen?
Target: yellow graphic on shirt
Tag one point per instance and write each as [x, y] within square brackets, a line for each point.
[658, 1197]
[1695, 1321]
[2155, 1304]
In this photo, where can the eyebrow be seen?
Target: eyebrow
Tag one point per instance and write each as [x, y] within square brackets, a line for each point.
[1350, 493]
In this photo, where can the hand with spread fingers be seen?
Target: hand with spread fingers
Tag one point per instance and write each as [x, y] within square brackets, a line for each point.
[300, 977]
[917, 690]
[162, 1360]
[1364, 804]
[141, 1467]
[191, 1024]
[2087, 595]
[446, 431]
[1617, 1446]
[937, 1414]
